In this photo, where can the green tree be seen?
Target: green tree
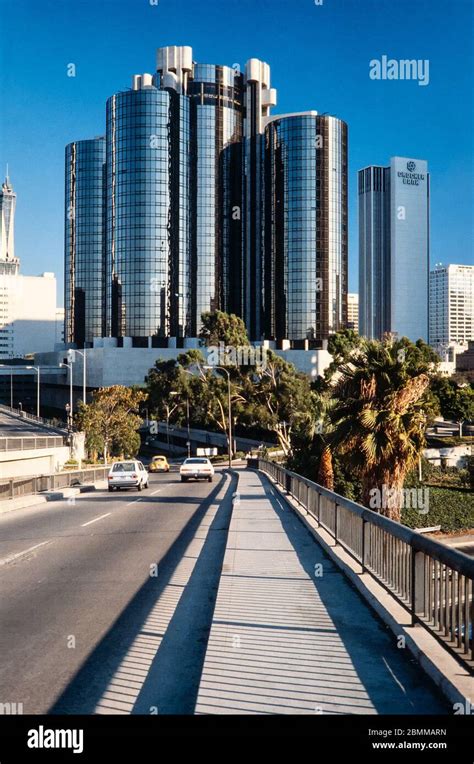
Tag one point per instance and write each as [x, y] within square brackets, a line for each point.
[111, 421]
[456, 402]
[279, 398]
[378, 417]
[341, 346]
[223, 327]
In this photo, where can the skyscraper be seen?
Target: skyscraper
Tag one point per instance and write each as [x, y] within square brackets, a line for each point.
[84, 241]
[305, 268]
[394, 249]
[8, 262]
[451, 305]
[27, 303]
[210, 203]
[138, 211]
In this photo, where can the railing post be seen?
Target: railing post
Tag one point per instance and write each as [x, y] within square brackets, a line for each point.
[363, 550]
[417, 584]
[11, 489]
[335, 520]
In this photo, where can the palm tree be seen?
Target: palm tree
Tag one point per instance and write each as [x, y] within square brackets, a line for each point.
[318, 428]
[378, 418]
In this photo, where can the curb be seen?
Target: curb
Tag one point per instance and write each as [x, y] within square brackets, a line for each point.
[425, 648]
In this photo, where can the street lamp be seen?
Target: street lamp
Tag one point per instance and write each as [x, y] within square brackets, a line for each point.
[69, 366]
[229, 403]
[37, 370]
[188, 443]
[71, 358]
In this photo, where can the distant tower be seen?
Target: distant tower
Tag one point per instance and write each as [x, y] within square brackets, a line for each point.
[7, 228]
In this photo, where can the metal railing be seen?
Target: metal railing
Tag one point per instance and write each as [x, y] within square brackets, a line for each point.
[15, 487]
[32, 442]
[433, 581]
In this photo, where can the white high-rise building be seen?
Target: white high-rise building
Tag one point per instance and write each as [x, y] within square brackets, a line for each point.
[28, 320]
[394, 242]
[451, 306]
[353, 311]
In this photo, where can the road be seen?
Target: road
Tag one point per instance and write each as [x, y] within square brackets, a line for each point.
[14, 426]
[102, 594]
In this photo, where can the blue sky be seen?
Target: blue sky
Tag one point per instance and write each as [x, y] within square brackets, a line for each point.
[319, 57]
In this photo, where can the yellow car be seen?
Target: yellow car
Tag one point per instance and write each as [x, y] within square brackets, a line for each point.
[159, 464]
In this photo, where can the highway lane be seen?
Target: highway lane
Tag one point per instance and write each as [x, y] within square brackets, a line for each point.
[15, 426]
[70, 572]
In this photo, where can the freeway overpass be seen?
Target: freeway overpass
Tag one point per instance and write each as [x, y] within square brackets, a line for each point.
[30, 445]
[214, 598]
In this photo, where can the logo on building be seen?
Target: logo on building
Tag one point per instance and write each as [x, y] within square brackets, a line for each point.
[411, 166]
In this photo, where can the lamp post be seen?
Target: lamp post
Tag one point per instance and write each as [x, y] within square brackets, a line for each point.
[71, 354]
[69, 367]
[188, 443]
[229, 404]
[37, 370]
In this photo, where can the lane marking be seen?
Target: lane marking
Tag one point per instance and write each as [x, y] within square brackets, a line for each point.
[13, 557]
[157, 491]
[133, 502]
[95, 519]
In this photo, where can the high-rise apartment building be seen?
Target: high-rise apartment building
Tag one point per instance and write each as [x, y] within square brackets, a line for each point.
[451, 305]
[209, 202]
[394, 249]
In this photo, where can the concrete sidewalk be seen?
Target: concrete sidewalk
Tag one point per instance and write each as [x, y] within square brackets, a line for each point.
[289, 633]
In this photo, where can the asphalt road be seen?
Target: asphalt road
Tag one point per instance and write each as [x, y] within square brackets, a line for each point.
[106, 600]
[14, 426]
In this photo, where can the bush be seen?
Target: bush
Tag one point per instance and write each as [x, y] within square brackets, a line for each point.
[452, 509]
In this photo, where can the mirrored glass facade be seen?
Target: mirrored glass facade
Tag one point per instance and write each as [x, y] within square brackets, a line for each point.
[216, 116]
[206, 202]
[138, 213]
[305, 221]
[84, 241]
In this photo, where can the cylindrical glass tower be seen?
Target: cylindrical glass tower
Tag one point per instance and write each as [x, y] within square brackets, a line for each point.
[216, 122]
[84, 241]
[138, 212]
[305, 237]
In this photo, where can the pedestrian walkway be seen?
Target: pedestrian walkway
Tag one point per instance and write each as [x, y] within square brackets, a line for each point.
[289, 633]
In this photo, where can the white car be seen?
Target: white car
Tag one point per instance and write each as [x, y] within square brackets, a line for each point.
[128, 474]
[198, 468]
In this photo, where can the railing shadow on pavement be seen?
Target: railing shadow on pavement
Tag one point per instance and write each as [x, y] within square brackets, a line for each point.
[433, 582]
[285, 640]
[151, 658]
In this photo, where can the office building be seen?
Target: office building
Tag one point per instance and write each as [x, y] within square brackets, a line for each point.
[305, 226]
[353, 311]
[84, 244]
[394, 249]
[9, 263]
[451, 306]
[27, 303]
[204, 196]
